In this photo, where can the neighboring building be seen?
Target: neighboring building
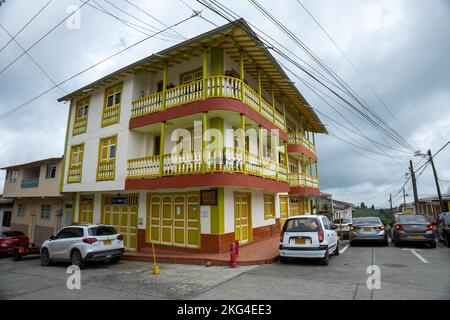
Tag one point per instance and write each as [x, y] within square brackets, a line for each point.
[135, 157]
[39, 208]
[430, 206]
[6, 208]
[340, 209]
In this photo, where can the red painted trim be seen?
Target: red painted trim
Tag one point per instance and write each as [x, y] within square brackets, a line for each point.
[203, 106]
[207, 180]
[297, 148]
[304, 191]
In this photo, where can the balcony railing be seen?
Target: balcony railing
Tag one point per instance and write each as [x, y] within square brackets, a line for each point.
[80, 126]
[29, 183]
[219, 86]
[74, 175]
[298, 138]
[111, 115]
[302, 180]
[222, 160]
[106, 170]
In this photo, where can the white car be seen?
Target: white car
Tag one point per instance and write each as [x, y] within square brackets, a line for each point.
[311, 236]
[81, 243]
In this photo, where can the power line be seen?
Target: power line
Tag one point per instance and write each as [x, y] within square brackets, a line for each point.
[13, 110]
[41, 38]
[25, 25]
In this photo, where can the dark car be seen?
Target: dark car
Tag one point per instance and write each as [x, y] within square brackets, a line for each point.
[443, 228]
[12, 239]
[413, 228]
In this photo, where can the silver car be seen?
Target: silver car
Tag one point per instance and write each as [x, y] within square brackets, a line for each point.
[81, 243]
[368, 229]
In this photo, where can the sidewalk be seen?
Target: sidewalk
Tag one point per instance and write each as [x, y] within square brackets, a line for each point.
[261, 252]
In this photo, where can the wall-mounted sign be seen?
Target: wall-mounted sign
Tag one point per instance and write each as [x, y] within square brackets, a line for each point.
[119, 200]
[208, 197]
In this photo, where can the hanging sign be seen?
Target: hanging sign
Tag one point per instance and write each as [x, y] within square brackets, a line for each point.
[208, 197]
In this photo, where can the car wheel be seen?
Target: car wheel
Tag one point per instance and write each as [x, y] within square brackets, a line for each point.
[45, 257]
[325, 260]
[433, 244]
[115, 260]
[446, 241]
[76, 259]
[385, 242]
[283, 260]
[336, 251]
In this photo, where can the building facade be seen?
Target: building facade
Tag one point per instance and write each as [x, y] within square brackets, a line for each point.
[39, 209]
[202, 144]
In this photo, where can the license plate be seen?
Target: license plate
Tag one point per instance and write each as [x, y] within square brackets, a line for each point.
[107, 242]
[300, 241]
[367, 229]
[415, 237]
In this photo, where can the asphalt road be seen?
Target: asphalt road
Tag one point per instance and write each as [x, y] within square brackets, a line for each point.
[423, 274]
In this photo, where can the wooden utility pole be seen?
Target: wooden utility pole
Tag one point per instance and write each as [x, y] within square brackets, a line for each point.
[441, 202]
[390, 200]
[413, 179]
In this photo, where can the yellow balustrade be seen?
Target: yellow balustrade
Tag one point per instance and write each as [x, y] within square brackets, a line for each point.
[302, 180]
[106, 170]
[217, 86]
[298, 138]
[217, 160]
[74, 175]
[111, 115]
[80, 126]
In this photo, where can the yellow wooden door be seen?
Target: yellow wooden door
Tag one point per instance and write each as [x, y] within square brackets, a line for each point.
[293, 207]
[193, 221]
[154, 219]
[241, 217]
[284, 210]
[179, 224]
[166, 220]
[86, 212]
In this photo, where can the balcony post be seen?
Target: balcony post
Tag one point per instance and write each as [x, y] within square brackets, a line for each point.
[260, 147]
[273, 104]
[259, 91]
[242, 73]
[164, 86]
[317, 170]
[244, 158]
[205, 71]
[204, 128]
[161, 149]
[286, 159]
[284, 113]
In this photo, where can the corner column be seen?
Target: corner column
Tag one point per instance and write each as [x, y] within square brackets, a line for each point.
[161, 149]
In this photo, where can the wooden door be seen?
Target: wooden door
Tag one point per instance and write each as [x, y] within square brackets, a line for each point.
[241, 217]
[166, 219]
[193, 221]
[284, 209]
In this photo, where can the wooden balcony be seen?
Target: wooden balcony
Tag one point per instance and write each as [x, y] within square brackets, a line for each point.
[299, 180]
[226, 160]
[106, 170]
[74, 175]
[210, 87]
[79, 126]
[297, 138]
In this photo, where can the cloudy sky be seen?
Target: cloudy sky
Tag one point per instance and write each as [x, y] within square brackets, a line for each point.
[401, 48]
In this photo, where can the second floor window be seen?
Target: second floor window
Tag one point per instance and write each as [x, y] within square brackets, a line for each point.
[111, 108]
[75, 164]
[108, 149]
[21, 210]
[81, 115]
[107, 159]
[45, 212]
[12, 176]
[191, 76]
[51, 171]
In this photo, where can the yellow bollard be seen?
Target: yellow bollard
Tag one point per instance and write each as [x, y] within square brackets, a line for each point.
[155, 269]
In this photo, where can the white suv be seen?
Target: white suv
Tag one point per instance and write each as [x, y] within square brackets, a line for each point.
[311, 236]
[81, 243]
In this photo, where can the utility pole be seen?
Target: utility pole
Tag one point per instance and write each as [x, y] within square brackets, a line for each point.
[413, 179]
[390, 200]
[404, 200]
[437, 182]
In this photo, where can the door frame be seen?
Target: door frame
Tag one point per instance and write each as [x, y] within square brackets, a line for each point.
[284, 198]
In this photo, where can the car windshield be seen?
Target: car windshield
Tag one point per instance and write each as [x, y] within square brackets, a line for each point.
[366, 220]
[343, 221]
[447, 219]
[13, 234]
[412, 219]
[302, 225]
[102, 231]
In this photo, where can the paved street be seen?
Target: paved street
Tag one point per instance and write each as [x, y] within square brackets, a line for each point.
[424, 274]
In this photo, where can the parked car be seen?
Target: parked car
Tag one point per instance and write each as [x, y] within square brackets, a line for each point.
[368, 229]
[311, 236]
[79, 244]
[443, 228]
[12, 239]
[414, 228]
[345, 225]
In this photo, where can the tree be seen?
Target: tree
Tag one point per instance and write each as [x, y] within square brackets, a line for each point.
[372, 207]
[363, 206]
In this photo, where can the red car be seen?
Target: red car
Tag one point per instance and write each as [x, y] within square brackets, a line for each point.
[12, 239]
